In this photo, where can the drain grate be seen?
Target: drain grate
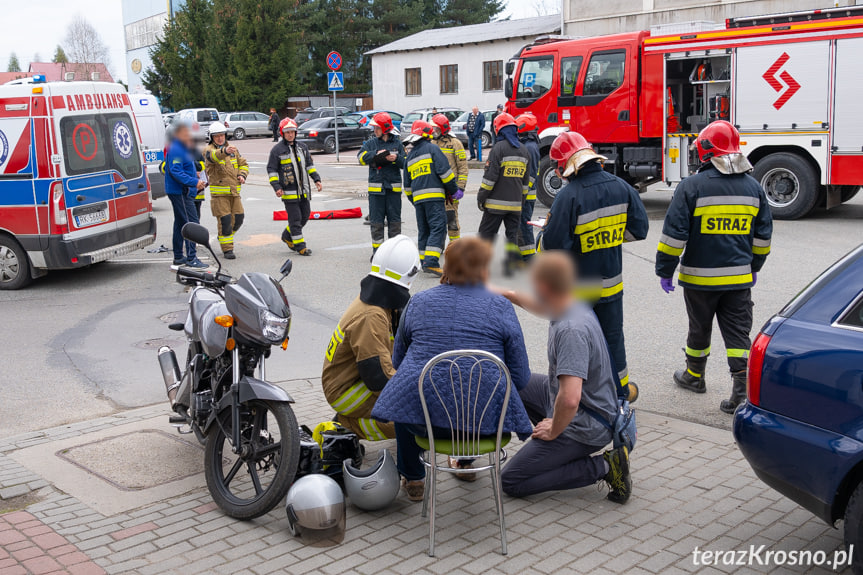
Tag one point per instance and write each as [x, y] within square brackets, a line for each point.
[174, 316]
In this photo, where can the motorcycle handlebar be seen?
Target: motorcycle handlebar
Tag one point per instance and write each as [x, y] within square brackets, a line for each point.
[206, 278]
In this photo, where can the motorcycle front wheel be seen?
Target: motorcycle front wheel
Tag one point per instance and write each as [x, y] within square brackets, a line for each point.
[251, 482]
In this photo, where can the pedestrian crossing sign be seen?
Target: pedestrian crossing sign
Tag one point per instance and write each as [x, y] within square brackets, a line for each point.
[335, 81]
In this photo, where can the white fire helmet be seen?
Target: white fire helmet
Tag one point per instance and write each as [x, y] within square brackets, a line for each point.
[397, 261]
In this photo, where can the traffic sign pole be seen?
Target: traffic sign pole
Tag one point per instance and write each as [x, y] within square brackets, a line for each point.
[336, 124]
[334, 62]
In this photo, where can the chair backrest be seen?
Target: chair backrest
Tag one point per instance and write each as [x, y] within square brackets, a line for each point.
[459, 381]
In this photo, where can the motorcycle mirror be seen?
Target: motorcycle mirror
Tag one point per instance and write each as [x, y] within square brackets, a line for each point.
[286, 268]
[196, 233]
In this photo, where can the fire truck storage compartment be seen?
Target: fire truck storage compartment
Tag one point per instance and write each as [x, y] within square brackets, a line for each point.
[699, 87]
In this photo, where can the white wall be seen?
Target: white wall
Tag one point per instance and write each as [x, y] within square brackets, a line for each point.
[388, 76]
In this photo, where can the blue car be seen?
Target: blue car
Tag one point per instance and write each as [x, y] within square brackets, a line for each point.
[363, 116]
[801, 429]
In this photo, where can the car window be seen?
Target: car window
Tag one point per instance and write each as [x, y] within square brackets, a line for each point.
[488, 116]
[248, 117]
[605, 73]
[463, 117]
[86, 138]
[349, 123]
[207, 116]
[854, 316]
[412, 117]
[355, 117]
[223, 116]
[451, 116]
[396, 117]
[303, 116]
[261, 117]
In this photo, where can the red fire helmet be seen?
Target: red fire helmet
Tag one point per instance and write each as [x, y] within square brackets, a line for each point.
[383, 121]
[422, 129]
[287, 125]
[719, 138]
[565, 145]
[503, 120]
[441, 122]
[526, 123]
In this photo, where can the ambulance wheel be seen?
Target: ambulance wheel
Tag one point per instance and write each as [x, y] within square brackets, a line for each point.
[14, 265]
[330, 145]
[239, 134]
[790, 183]
[549, 183]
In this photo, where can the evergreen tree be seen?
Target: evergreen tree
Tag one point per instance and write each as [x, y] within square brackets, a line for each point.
[59, 55]
[14, 65]
[463, 12]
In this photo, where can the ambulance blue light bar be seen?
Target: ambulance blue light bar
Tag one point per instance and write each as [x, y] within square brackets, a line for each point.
[39, 79]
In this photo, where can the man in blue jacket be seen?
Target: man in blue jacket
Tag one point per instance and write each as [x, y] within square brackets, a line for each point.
[181, 187]
[475, 126]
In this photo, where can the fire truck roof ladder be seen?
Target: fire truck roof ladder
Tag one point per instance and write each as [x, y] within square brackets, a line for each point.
[790, 17]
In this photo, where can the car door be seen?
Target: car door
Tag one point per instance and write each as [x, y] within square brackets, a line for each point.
[261, 123]
[603, 104]
[131, 199]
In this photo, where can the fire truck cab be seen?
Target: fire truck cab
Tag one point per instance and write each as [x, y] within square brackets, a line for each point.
[788, 82]
[73, 189]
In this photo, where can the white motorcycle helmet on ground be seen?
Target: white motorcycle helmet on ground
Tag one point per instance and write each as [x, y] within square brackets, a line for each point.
[216, 128]
[316, 510]
[397, 260]
[373, 488]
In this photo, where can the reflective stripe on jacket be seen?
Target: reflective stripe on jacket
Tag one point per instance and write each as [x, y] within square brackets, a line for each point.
[592, 216]
[718, 228]
[387, 176]
[427, 175]
[506, 178]
[223, 171]
[293, 181]
[453, 149]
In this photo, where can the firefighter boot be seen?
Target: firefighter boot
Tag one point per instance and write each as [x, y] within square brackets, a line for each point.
[692, 378]
[286, 238]
[738, 392]
[511, 264]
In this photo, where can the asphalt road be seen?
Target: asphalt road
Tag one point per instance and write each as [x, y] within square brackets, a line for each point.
[82, 343]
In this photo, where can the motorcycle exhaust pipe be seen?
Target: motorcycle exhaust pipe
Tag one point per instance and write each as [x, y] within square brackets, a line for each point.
[170, 372]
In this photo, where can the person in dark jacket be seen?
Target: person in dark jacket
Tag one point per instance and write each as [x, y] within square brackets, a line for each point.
[385, 156]
[591, 218]
[273, 124]
[461, 313]
[428, 183]
[527, 126]
[504, 185]
[497, 112]
[181, 187]
[291, 171]
[474, 128]
[718, 228]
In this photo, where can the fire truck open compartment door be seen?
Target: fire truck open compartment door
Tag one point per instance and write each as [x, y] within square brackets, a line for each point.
[846, 163]
[783, 87]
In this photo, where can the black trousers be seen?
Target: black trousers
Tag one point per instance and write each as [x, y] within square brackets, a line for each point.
[276, 134]
[610, 316]
[733, 312]
[298, 216]
[490, 224]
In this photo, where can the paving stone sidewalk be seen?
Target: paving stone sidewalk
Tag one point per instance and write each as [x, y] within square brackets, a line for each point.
[692, 488]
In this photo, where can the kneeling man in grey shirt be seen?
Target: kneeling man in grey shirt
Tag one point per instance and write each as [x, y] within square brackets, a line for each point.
[560, 454]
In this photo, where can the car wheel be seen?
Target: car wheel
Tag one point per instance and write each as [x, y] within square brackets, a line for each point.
[549, 184]
[330, 145]
[854, 528]
[486, 141]
[14, 265]
[790, 183]
[239, 134]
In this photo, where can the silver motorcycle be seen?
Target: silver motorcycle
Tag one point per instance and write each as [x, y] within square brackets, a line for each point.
[248, 429]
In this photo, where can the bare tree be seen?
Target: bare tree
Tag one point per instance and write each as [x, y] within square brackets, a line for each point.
[84, 46]
[546, 7]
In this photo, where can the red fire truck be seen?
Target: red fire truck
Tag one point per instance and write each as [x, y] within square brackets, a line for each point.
[789, 82]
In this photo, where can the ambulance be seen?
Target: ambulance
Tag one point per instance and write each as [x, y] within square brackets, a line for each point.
[73, 186]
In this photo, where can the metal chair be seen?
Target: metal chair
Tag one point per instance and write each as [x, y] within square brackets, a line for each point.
[458, 376]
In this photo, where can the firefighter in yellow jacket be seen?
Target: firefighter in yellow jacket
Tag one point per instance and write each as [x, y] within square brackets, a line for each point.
[358, 361]
[226, 171]
[453, 149]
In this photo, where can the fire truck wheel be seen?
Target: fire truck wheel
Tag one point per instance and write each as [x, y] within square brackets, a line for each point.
[848, 192]
[14, 265]
[548, 184]
[790, 183]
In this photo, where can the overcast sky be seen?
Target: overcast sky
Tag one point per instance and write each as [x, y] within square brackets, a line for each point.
[37, 26]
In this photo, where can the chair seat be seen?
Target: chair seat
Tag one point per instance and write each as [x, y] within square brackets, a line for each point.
[445, 446]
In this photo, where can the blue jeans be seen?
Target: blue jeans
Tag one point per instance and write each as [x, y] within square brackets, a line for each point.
[184, 212]
[408, 452]
[431, 224]
[475, 142]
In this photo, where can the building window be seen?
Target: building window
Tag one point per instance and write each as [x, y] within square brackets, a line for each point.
[449, 79]
[146, 32]
[492, 76]
[413, 81]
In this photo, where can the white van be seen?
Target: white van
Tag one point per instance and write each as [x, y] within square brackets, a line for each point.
[148, 115]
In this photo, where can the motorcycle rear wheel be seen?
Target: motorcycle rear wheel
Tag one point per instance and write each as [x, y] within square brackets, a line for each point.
[253, 482]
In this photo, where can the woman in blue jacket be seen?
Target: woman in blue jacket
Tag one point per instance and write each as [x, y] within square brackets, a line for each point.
[181, 187]
[461, 313]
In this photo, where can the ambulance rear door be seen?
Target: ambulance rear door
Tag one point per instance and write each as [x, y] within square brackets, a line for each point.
[18, 212]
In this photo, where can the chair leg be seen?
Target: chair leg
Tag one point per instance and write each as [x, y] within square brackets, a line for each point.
[426, 494]
[498, 498]
[431, 495]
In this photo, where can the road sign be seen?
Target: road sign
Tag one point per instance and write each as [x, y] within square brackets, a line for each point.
[335, 81]
[334, 61]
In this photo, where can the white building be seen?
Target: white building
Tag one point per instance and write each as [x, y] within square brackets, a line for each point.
[143, 22]
[451, 67]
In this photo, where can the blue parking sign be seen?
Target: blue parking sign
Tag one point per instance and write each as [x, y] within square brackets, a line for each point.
[529, 80]
[335, 81]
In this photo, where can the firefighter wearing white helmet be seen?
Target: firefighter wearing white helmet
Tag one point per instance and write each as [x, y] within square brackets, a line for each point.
[226, 172]
[358, 360]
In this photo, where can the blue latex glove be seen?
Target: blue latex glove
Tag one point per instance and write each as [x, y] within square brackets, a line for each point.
[754, 278]
[459, 194]
[667, 284]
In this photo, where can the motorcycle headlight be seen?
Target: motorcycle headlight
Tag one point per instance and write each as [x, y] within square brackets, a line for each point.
[274, 328]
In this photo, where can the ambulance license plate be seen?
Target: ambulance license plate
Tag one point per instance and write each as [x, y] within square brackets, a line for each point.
[91, 215]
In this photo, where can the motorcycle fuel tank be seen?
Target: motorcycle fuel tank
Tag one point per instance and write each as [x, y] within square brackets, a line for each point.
[201, 325]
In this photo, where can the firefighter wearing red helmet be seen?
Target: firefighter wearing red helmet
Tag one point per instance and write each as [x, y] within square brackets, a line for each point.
[592, 216]
[428, 183]
[718, 228]
[504, 184]
[385, 156]
[292, 171]
[453, 149]
[527, 134]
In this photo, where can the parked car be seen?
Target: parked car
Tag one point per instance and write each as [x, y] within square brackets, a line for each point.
[459, 129]
[315, 113]
[320, 134]
[198, 119]
[426, 114]
[168, 118]
[243, 124]
[801, 429]
[364, 116]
